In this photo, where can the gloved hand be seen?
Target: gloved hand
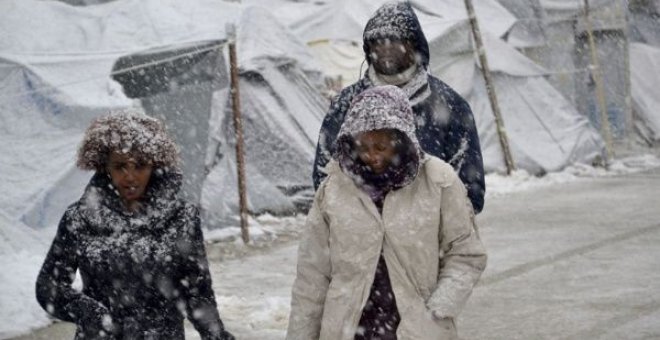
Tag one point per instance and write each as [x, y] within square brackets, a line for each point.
[224, 335]
[95, 321]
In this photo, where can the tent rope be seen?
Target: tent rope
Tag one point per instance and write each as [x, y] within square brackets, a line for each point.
[105, 76]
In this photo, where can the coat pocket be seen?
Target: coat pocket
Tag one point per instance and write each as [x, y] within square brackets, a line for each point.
[419, 323]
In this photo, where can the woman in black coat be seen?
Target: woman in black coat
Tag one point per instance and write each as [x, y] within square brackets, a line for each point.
[137, 245]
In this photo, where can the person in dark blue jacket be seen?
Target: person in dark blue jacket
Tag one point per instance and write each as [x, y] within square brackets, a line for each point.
[397, 53]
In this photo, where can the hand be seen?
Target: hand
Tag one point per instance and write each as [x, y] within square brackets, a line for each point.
[96, 321]
[438, 317]
[446, 323]
[226, 335]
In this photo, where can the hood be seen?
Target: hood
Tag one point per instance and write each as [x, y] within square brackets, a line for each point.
[396, 20]
[377, 108]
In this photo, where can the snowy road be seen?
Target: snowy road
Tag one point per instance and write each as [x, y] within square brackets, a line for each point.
[572, 261]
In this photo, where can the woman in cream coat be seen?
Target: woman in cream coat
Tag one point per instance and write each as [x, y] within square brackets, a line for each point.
[391, 250]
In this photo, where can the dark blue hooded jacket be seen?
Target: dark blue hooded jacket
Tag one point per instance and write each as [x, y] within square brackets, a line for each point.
[455, 139]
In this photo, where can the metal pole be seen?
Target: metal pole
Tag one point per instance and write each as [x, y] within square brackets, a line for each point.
[501, 132]
[238, 128]
[600, 91]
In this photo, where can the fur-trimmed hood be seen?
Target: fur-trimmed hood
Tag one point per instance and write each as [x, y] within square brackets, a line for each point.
[101, 207]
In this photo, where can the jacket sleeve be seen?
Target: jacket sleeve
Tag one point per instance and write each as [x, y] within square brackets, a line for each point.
[463, 255]
[53, 287]
[466, 153]
[201, 307]
[329, 130]
[313, 276]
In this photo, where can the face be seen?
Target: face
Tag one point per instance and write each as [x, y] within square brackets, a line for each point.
[129, 176]
[391, 57]
[376, 149]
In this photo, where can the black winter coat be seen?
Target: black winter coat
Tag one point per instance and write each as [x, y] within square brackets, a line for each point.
[141, 273]
[453, 139]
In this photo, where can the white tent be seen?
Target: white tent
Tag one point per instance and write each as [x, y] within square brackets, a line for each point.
[282, 113]
[621, 30]
[333, 28]
[645, 61]
[546, 132]
[565, 51]
[55, 73]
[528, 30]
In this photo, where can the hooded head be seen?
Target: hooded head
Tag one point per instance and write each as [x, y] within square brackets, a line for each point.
[396, 21]
[134, 152]
[127, 132]
[385, 110]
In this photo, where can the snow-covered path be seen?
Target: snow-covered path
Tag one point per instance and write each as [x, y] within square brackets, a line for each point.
[575, 260]
[571, 261]
[254, 292]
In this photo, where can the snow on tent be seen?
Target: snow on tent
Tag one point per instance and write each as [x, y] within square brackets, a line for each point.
[333, 29]
[176, 83]
[618, 28]
[56, 76]
[566, 53]
[528, 30]
[644, 21]
[545, 131]
[645, 61]
[281, 109]
[644, 68]
[51, 91]
[282, 112]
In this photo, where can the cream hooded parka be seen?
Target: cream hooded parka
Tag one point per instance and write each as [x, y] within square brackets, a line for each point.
[426, 234]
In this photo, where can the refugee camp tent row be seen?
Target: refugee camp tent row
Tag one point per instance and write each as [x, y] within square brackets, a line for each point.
[169, 58]
[560, 43]
[68, 65]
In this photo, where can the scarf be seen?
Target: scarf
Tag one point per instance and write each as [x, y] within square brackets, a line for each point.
[414, 81]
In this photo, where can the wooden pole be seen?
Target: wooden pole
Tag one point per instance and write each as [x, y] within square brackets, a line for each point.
[501, 132]
[600, 90]
[238, 128]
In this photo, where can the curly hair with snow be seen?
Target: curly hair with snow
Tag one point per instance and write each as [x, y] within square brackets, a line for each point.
[127, 132]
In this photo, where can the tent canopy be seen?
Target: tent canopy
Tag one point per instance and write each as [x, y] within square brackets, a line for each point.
[55, 70]
[546, 132]
[645, 93]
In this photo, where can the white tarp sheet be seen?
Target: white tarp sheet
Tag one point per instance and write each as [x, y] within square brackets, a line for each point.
[55, 77]
[546, 132]
[645, 89]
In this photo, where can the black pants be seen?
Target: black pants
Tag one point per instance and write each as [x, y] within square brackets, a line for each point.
[380, 316]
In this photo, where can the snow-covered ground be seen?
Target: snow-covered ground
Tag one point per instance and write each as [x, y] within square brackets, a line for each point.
[265, 316]
[22, 251]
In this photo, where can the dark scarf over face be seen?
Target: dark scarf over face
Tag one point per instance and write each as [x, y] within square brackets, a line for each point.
[101, 201]
[401, 172]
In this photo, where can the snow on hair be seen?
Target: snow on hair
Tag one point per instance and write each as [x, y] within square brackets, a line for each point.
[127, 131]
